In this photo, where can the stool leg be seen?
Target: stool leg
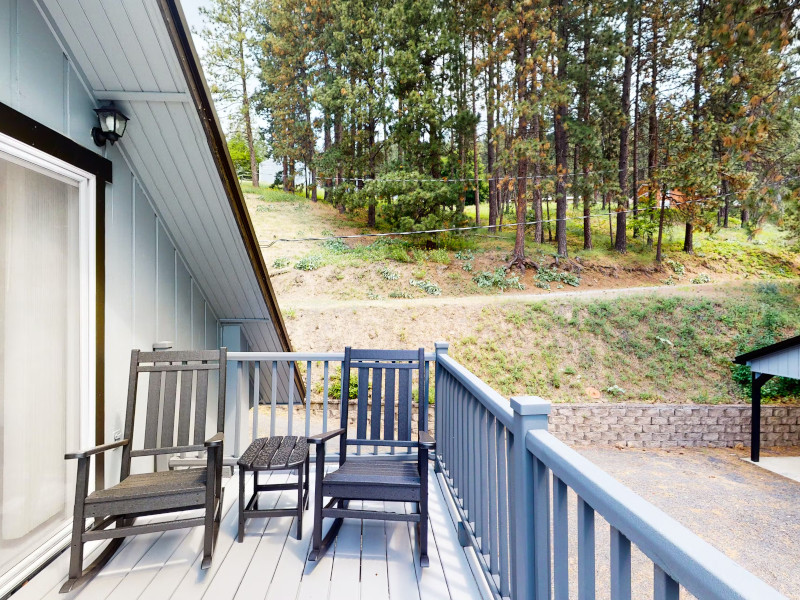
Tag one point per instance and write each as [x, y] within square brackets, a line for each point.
[300, 502]
[241, 504]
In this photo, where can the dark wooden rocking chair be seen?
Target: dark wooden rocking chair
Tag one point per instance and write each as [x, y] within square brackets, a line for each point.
[381, 477]
[175, 422]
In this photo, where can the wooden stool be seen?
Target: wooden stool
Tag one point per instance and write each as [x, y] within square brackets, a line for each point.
[278, 453]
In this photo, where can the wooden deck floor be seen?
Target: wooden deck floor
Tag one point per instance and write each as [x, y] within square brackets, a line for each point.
[371, 560]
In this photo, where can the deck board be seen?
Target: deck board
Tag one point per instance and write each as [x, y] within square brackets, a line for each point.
[373, 560]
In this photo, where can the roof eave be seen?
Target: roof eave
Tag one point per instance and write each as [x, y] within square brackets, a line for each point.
[743, 359]
[186, 53]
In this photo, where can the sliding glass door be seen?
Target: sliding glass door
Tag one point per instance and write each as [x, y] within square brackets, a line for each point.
[43, 352]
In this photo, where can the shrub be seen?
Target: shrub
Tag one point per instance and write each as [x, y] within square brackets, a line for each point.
[497, 279]
[465, 254]
[426, 286]
[439, 256]
[336, 246]
[546, 275]
[400, 294]
[388, 274]
[677, 267]
[702, 278]
[399, 254]
[309, 263]
[335, 387]
[280, 262]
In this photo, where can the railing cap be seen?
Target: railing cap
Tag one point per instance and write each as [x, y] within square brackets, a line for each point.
[530, 405]
[441, 346]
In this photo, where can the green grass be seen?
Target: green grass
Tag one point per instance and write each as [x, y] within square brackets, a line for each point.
[642, 348]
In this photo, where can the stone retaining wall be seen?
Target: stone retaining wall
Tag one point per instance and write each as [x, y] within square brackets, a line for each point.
[672, 425]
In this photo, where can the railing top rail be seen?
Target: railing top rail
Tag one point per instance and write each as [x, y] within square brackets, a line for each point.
[699, 567]
[298, 356]
[494, 402]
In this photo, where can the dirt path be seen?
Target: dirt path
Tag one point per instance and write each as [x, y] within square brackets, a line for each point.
[706, 290]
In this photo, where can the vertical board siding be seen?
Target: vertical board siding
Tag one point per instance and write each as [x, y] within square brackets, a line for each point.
[165, 329]
[782, 364]
[40, 68]
[7, 39]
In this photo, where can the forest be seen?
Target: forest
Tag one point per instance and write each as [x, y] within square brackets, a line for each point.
[416, 112]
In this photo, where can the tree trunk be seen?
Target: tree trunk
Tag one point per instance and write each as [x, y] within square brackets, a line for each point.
[285, 173]
[521, 57]
[636, 125]
[621, 243]
[585, 116]
[560, 135]
[652, 152]
[491, 144]
[688, 239]
[538, 231]
[248, 128]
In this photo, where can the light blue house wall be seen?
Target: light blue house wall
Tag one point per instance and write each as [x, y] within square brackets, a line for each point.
[150, 295]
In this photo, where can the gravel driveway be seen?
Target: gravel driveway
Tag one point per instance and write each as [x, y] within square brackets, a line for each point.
[750, 514]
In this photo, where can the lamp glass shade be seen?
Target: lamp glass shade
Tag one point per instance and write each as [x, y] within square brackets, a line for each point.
[112, 122]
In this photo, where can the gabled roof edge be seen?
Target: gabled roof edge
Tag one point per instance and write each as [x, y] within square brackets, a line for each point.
[181, 38]
[791, 342]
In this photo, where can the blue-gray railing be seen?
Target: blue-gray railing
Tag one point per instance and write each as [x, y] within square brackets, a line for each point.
[499, 462]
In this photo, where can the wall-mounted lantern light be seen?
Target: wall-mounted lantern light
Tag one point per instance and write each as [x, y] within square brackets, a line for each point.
[112, 125]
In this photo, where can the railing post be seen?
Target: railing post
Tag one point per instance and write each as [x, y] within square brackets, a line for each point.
[441, 349]
[527, 568]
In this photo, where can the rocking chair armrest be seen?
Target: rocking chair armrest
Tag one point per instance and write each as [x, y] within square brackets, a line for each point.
[426, 440]
[96, 450]
[215, 441]
[321, 438]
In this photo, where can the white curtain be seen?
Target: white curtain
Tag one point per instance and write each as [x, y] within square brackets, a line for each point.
[39, 354]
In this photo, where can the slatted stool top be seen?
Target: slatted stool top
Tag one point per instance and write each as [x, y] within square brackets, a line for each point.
[274, 453]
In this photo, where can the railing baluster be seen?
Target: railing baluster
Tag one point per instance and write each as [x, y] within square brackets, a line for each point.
[256, 395]
[503, 508]
[325, 396]
[472, 480]
[541, 528]
[291, 397]
[620, 566]
[586, 564]
[243, 393]
[492, 425]
[274, 398]
[477, 472]
[308, 398]
[560, 540]
[465, 455]
[664, 586]
[486, 494]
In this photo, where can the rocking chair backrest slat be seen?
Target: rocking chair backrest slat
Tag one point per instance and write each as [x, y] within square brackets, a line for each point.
[200, 407]
[168, 415]
[363, 400]
[153, 406]
[388, 422]
[185, 411]
[386, 402]
[375, 417]
[178, 385]
[404, 407]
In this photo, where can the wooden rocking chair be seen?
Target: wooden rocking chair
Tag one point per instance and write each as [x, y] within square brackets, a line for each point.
[175, 422]
[383, 477]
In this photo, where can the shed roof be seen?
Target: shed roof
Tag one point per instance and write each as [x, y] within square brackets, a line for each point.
[781, 359]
